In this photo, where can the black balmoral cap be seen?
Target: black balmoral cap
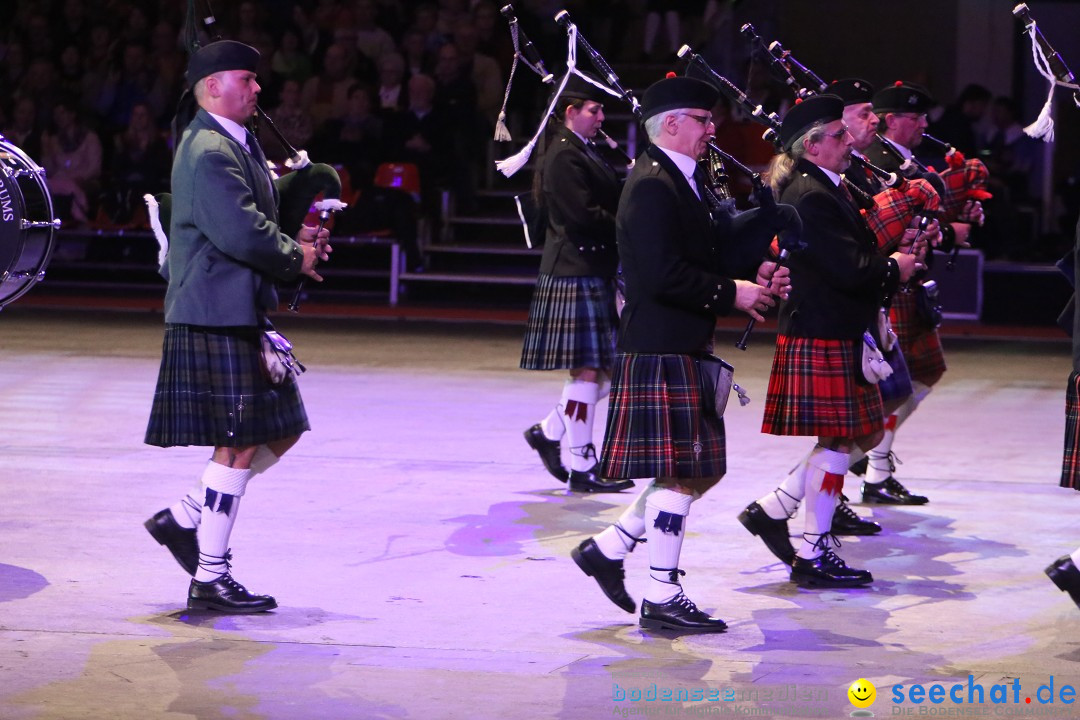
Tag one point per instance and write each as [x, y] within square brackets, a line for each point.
[674, 93]
[817, 108]
[901, 97]
[220, 56]
[852, 91]
[579, 89]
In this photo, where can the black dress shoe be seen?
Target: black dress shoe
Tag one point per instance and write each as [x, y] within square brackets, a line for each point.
[846, 522]
[827, 571]
[548, 451]
[588, 481]
[608, 573]
[859, 466]
[182, 542]
[1065, 575]
[680, 613]
[890, 492]
[227, 596]
[774, 533]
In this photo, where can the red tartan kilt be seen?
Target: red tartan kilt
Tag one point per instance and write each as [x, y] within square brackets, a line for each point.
[815, 389]
[919, 342]
[657, 425]
[1070, 462]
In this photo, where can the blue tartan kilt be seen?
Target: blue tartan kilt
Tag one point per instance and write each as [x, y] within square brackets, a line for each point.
[212, 391]
[572, 324]
[657, 425]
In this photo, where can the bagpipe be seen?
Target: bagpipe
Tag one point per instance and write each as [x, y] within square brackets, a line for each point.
[298, 190]
[1052, 67]
[888, 213]
[903, 201]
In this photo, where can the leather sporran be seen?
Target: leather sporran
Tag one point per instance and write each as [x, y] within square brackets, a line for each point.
[875, 367]
[717, 381]
[927, 303]
[278, 360]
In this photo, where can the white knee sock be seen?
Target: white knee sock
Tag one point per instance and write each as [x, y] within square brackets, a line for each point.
[665, 527]
[552, 426]
[879, 460]
[615, 541]
[188, 510]
[224, 486]
[784, 500]
[580, 398]
[824, 482]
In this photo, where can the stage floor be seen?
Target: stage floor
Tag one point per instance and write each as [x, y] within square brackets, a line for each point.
[419, 551]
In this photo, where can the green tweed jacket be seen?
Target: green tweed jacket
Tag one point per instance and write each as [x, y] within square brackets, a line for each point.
[225, 247]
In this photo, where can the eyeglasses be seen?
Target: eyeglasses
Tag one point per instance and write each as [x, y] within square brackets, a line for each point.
[839, 134]
[703, 119]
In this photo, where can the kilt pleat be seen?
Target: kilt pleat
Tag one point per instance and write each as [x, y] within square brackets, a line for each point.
[1070, 463]
[572, 324]
[211, 391]
[657, 425]
[814, 389]
[920, 343]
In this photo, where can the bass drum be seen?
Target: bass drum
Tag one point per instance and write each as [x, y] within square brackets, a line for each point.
[27, 225]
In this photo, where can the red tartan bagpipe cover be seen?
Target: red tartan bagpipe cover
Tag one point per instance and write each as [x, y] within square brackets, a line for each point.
[894, 210]
[964, 180]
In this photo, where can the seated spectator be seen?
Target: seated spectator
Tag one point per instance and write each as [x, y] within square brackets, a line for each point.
[325, 95]
[141, 162]
[372, 40]
[294, 122]
[289, 61]
[71, 155]
[392, 93]
[484, 72]
[23, 128]
[421, 135]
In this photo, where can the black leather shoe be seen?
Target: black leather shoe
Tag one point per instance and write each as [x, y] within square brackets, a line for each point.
[846, 522]
[548, 451]
[859, 466]
[774, 533]
[890, 492]
[227, 596]
[1065, 575]
[827, 571]
[182, 542]
[681, 614]
[588, 481]
[608, 573]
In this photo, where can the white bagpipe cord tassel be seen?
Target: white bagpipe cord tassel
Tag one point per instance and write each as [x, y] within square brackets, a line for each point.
[515, 162]
[502, 134]
[1043, 127]
[154, 214]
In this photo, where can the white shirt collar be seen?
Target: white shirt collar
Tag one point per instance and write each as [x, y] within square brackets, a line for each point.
[685, 163]
[831, 175]
[237, 131]
[903, 150]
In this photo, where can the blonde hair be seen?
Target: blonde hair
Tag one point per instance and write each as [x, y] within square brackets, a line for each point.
[782, 166]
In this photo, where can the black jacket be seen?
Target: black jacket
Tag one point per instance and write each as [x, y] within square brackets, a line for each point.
[838, 281]
[581, 196]
[677, 262]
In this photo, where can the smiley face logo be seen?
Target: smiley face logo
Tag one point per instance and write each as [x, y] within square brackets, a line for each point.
[862, 693]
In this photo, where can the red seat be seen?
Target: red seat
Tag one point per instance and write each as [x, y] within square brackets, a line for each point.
[401, 176]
